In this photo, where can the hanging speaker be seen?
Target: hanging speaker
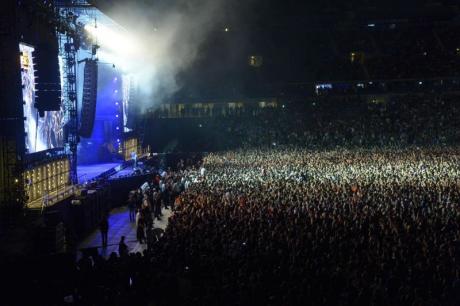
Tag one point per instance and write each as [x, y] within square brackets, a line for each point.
[48, 80]
[88, 108]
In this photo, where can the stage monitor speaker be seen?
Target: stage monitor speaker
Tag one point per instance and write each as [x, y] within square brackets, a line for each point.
[88, 108]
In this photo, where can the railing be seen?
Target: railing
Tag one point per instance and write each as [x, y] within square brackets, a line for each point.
[50, 200]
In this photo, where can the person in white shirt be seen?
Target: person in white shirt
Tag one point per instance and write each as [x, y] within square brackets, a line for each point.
[138, 215]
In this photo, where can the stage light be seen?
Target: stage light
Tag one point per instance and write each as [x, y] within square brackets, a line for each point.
[119, 42]
[118, 140]
[116, 116]
[226, 29]
[116, 103]
[115, 91]
[118, 128]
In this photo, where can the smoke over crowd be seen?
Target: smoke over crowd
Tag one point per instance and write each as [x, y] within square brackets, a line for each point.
[161, 41]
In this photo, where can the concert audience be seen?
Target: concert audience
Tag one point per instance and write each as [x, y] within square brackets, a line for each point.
[287, 226]
[323, 122]
[358, 211]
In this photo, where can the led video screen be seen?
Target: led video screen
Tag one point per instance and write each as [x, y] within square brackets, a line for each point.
[42, 133]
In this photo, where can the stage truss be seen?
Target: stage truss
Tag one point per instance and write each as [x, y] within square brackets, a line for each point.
[68, 52]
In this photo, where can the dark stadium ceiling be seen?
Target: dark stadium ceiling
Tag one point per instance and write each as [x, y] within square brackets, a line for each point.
[249, 14]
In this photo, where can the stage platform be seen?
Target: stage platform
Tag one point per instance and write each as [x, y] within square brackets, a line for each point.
[88, 172]
[129, 170]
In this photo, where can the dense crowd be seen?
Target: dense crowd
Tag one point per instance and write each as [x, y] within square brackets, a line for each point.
[288, 227]
[329, 203]
[328, 227]
[323, 122]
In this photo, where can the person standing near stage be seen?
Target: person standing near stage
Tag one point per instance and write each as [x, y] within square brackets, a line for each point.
[104, 228]
[139, 199]
[140, 232]
[147, 213]
[122, 247]
[132, 206]
[157, 205]
[176, 191]
[164, 194]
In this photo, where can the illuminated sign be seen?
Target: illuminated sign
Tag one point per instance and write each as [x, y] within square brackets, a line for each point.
[25, 60]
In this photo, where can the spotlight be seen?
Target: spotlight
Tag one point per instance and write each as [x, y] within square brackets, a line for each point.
[116, 116]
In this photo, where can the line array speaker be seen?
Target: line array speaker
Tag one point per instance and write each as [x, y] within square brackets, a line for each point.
[88, 109]
[48, 81]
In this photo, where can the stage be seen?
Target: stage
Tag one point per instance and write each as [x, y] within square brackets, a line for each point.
[129, 170]
[87, 173]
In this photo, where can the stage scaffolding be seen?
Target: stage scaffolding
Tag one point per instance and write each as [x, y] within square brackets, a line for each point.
[73, 16]
[12, 144]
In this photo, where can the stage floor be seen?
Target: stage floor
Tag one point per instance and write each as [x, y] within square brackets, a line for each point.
[125, 172]
[88, 172]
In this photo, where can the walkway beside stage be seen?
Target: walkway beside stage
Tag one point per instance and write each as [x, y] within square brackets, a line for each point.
[119, 225]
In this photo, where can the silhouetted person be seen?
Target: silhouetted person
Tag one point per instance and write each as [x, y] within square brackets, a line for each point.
[157, 206]
[122, 247]
[132, 207]
[104, 228]
[140, 233]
